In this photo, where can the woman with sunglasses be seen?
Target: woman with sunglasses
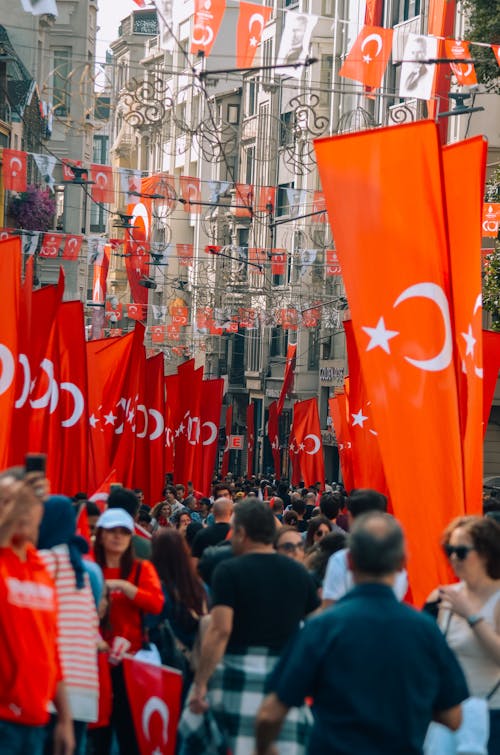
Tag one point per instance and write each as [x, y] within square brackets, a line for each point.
[318, 527]
[469, 612]
[289, 543]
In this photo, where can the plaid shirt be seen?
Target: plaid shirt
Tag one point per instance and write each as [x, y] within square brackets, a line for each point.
[235, 693]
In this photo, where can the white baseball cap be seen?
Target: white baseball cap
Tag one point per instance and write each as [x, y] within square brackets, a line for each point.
[115, 518]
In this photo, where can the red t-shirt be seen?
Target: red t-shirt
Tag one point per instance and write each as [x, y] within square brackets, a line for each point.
[29, 662]
[125, 615]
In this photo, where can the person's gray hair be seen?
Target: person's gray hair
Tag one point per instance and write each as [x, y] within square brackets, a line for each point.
[376, 544]
[222, 508]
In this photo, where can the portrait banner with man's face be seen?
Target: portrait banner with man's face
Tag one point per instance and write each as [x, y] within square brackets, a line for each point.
[417, 75]
[295, 42]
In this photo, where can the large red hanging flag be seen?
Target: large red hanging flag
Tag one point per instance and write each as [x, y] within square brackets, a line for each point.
[103, 189]
[250, 437]
[210, 411]
[464, 201]
[251, 21]
[172, 393]
[274, 438]
[10, 282]
[67, 447]
[187, 421]
[206, 25]
[225, 457]
[369, 56]
[14, 170]
[403, 330]
[491, 368]
[339, 406]
[291, 354]
[154, 694]
[366, 460]
[106, 361]
[150, 433]
[306, 431]
[465, 73]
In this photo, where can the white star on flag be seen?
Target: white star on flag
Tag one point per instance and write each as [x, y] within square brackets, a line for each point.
[253, 42]
[359, 419]
[470, 341]
[110, 418]
[93, 420]
[380, 336]
[367, 59]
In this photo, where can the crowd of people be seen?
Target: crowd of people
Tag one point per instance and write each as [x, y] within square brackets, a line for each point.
[286, 611]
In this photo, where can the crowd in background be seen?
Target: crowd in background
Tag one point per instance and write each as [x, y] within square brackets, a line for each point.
[219, 587]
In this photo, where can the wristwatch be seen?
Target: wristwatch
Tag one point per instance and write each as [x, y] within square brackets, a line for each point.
[474, 619]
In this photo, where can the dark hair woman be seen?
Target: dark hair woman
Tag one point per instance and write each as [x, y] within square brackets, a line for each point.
[133, 590]
[185, 596]
[318, 527]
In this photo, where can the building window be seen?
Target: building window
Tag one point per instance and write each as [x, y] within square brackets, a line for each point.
[286, 128]
[100, 149]
[253, 344]
[61, 95]
[406, 9]
[233, 114]
[282, 206]
[313, 350]
[251, 97]
[326, 80]
[249, 165]
[327, 8]
[279, 340]
[267, 60]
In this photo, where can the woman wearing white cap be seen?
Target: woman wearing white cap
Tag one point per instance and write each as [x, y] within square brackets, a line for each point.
[133, 590]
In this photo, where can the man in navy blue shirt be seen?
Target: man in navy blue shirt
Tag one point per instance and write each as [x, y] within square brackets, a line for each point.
[378, 671]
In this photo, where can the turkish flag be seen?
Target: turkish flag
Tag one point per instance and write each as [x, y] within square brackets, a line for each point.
[136, 312]
[244, 199]
[373, 12]
[225, 457]
[332, 263]
[10, 283]
[366, 460]
[106, 366]
[137, 256]
[210, 410]
[67, 173]
[291, 356]
[403, 330]
[14, 170]
[369, 56]
[50, 245]
[464, 205]
[278, 261]
[172, 392]
[251, 21]
[306, 431]
[491, 220]
[173, 332]
[465, 73]
[68, 442]
[319, 206]
[100, 277]
[257, 257]
[191, 193]
[250, 437]
[496, 52]
[185, 254]
[267, 195]
[187, 434]
[103, 189]
[273, 435]
[150, 430]
[206, 25]
[71, 247]
[154, 694]
[339, 407]
[157, 333]
[491, 367]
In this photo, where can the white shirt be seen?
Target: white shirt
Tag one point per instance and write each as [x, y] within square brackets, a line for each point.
[339, 580]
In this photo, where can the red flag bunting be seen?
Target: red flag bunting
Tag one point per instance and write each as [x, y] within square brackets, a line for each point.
[50, 245]
[251, 21]
[103, 190]
[369, 56]
[319, 205]
[244, 200]
[190, 193]
[206, 24]
[491, 220]
[332, 263]
[185, 254]
[14, 170]
[278, 261]
[267, 197]
[72, 246]
[465, 73]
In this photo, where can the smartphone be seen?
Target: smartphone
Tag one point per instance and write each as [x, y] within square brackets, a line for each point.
[35, 463]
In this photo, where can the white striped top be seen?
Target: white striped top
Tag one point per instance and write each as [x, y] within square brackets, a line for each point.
[78, 635]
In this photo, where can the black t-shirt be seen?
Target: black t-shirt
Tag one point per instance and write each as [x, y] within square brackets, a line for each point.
[269, 593]
[209, 536]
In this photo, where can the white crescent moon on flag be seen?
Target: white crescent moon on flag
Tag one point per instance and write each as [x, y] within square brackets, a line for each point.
[40, 403]
[104, 182]
[213, 433]
[316, 441]
[8, 367]
[208, 33]
[478, 371]
[24, 362]
[256, 18]
[155, 705]
[72, 242]
[194, 193]
[434, 293]
[140, 211]
[160, 424]
[79, 404]
[15, 161]
[142, 409]
[373, 38]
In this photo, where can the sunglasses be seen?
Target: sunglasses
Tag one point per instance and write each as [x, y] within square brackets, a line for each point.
[291, 547]
[320, 533]
[460, 551]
